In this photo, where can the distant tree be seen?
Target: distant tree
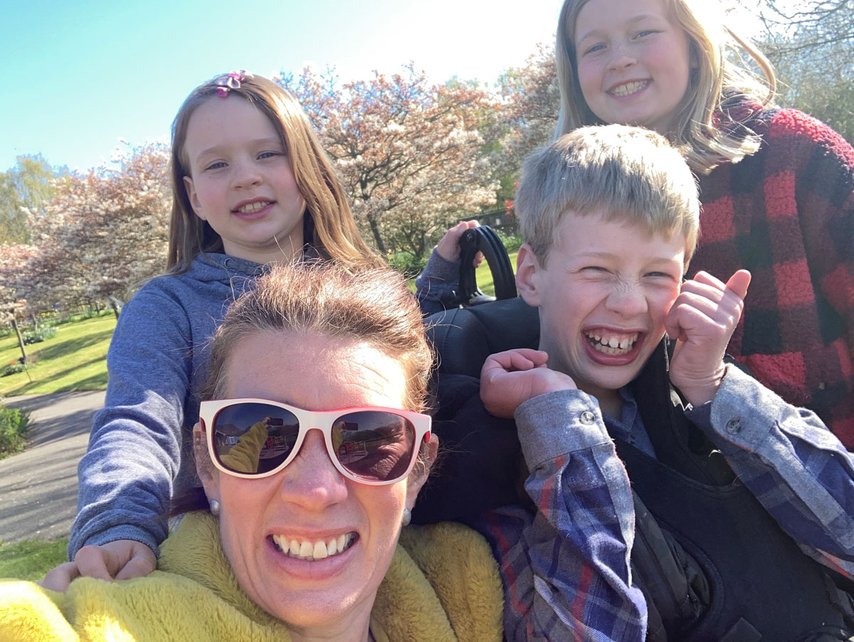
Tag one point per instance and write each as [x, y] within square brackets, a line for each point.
[409, 152]
[530, 99]
[103, 232]
[811, 43]
[13, 262]
[25, 190]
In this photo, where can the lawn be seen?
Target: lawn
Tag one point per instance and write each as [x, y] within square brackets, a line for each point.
[73, 359]
[31, 560]
[484, 276]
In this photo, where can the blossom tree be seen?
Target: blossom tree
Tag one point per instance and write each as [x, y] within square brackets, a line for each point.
[13, 261]
[103, 232]
[530, 99]
[410, 153]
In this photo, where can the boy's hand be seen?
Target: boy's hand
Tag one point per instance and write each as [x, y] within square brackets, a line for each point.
[702, 320]
[511, 377]
[119, 560]
[448, 246]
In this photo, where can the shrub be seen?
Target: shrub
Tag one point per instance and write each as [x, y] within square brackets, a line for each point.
[13, 426]
[37, 336]
[407, 264]
[12, 368]
[511, 241]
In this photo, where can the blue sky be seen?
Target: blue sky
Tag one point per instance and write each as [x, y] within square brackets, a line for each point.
[79, 76]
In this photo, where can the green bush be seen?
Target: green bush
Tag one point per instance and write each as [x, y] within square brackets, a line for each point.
[12, 368]
[42, 334]
[511, 241]
[13, 426]
[407, 264]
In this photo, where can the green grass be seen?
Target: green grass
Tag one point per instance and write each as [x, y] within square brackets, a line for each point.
[74, 359]
[484, 275]
[31, 560]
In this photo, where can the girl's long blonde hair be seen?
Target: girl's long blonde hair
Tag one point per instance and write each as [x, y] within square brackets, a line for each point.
[728, 69]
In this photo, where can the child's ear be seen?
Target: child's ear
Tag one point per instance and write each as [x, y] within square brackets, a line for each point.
[194, 197]
[527, 275]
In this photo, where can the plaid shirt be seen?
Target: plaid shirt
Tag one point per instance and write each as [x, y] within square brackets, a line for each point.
[566, 567]
[786, 213]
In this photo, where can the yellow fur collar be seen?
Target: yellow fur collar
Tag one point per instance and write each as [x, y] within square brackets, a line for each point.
[443, 584]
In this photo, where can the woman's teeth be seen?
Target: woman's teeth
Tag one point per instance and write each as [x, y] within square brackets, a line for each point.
[613, 344]
[314, 550]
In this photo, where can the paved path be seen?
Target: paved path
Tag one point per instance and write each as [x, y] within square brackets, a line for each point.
[38, 487]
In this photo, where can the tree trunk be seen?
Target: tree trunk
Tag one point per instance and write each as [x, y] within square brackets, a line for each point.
[20, 342]
[374, 224]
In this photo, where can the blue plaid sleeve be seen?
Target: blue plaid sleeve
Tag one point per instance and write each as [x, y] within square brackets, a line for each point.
[566, 567]
[791, 462]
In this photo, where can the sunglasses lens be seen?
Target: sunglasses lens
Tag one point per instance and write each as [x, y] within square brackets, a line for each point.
[254, 438]
[373, 444]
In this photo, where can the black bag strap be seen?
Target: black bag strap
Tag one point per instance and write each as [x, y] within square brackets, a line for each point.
[673, 583]
[484, 239]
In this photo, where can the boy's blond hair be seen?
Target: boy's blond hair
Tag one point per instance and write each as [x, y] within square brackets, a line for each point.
[628, 173]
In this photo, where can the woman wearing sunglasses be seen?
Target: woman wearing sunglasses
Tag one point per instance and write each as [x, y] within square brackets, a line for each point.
[311, 446]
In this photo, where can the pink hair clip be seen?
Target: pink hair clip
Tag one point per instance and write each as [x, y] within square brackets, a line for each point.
[231, 81]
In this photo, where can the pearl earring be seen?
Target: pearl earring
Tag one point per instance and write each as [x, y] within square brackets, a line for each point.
[407, 517]
[215, 507]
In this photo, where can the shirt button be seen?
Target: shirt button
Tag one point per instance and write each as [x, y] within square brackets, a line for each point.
[588, 417]
[733, 426]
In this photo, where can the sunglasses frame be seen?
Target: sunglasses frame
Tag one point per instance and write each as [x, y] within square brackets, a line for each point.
[321, 420]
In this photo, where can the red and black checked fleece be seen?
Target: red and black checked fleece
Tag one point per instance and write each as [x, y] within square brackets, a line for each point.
[786, 214]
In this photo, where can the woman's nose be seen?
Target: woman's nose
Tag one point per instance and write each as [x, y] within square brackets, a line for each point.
[311, 480]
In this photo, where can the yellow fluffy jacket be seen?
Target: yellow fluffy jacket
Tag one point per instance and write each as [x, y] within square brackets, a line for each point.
[443, 584]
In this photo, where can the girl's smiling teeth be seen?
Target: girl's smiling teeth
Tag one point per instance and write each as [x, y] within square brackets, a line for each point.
[628, 88]
[251, 208]
[612, 343]
[314, 550]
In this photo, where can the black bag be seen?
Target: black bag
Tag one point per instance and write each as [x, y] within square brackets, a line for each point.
[482, 239]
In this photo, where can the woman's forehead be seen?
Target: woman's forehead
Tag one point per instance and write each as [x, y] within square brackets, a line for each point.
[313, 371]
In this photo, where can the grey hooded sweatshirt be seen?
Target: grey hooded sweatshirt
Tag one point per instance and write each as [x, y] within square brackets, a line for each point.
[140, 453]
